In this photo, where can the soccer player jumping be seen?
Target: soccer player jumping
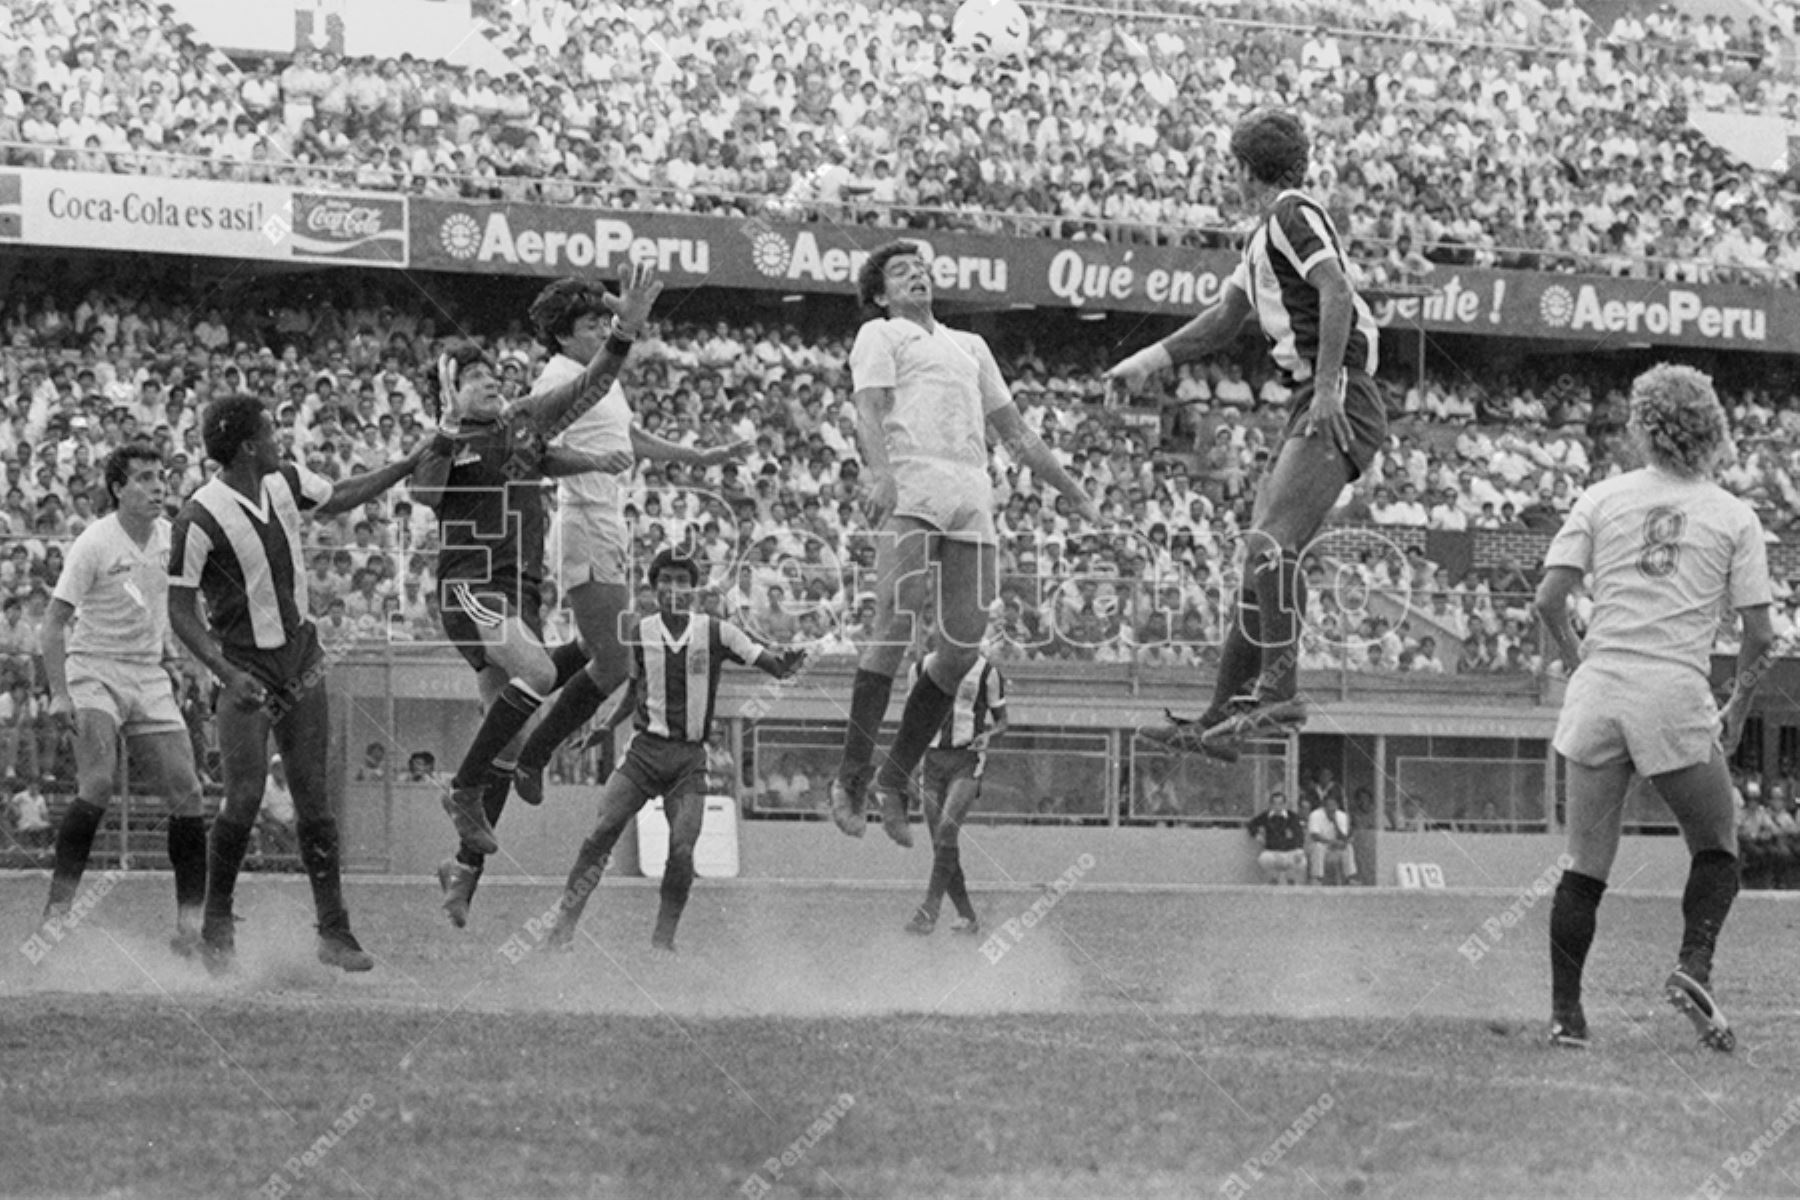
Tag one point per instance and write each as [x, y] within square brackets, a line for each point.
[925, 397]
[1293, 280]
[484, 477]
[1663, 549]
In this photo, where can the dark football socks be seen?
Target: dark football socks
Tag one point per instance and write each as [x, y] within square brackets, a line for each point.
[568, 659]
[1240, 659]
[1712, 886]
[495, 786]
[187, 855]
[1572, 919]
[505, 717]
[74, 841]
[319, 855]
[926, 707]
[869, 696]
[1278, 609]
[575, 705]
[225, 847]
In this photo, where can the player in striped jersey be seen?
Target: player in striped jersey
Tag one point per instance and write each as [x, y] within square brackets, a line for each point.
[570, 318]
[677, 655]
[107, 653]
[486, 480]
[237, 542]
[953, 765]
[1664, 550]
[1293, 280]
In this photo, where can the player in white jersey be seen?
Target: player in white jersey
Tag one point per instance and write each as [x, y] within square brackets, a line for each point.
[677, 656]
[954, 763]
[1664, 550]
[925, 397]
[571, 319]
[108, 653]
[1293, 280]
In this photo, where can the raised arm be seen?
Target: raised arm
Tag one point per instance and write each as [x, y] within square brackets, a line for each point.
[555, 410]
[431, 474]
[1212, 331]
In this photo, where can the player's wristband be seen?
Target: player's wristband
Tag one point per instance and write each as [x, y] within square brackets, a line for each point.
[618, 342]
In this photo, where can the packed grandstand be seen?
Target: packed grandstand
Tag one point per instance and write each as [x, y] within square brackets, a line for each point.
[1446, 133]
[1448, 136]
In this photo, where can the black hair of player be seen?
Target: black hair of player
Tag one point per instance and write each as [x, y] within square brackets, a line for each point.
[871, 277]
[669, 560]
[465, 354]
[229, 424]
[554, 313]
[1274, 146]
[115, 472]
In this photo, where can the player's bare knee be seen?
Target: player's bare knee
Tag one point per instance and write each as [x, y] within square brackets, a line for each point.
[540, 677]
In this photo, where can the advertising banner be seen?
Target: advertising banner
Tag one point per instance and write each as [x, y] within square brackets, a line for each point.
[211, 218]
[1004, 272]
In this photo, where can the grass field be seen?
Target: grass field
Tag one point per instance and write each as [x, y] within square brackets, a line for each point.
[1340, 1043]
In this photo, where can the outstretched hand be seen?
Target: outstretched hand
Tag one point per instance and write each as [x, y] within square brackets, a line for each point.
[716, 456]
[638, 289]
[789, 661]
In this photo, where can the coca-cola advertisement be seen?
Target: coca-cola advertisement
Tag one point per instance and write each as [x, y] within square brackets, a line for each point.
[340, 228]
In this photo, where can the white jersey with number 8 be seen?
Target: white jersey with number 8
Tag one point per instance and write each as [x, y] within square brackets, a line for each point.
[1664, 556]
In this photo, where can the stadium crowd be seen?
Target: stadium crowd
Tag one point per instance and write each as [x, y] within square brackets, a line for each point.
[1446, 132]
[783, 528]
[1769, 827]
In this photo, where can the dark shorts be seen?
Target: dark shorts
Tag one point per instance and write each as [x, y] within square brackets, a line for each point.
[660, 767]
[465, 609]
[286, 673]
[1363, 405]
[944, 767]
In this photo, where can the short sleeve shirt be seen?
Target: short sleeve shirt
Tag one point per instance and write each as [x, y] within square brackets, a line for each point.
[945, 383]
[1665, 556]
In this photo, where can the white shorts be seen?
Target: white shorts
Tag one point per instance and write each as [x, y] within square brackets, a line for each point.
[955, 500]
[137, 696]
[1282, 860]
[1658, 718]
[593, 546]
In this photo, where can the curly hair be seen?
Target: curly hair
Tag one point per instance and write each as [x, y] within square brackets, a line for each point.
[1677, 420]
[871, 277]
[1273, 145]
[461, 354]
[115, 472]
[557, 308]
[229, 424]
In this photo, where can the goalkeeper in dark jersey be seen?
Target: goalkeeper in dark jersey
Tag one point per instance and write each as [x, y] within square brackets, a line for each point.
[486, 479]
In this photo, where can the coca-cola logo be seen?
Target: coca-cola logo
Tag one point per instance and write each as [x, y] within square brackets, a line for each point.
[340, 219]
